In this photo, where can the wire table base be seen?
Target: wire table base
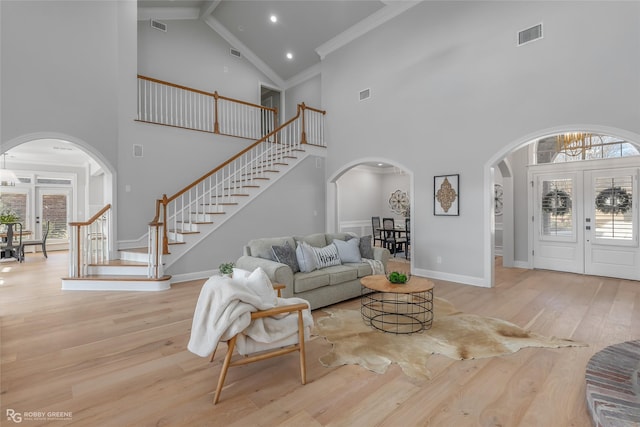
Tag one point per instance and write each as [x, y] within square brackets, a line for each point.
[397, 309]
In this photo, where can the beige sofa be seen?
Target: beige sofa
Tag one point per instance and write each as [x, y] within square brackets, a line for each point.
[321, 287]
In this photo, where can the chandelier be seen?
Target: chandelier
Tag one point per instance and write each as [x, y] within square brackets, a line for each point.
[7, 178]
[574, 143]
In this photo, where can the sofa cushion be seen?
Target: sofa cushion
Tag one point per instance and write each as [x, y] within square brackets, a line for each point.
[303, 282]
[317, 240]
[340, 236]
[261, 248]
[349, 250]
[363, 268]
[340, 274]
[286, 254]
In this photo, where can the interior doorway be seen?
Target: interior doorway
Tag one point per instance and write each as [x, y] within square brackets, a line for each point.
[270, 97]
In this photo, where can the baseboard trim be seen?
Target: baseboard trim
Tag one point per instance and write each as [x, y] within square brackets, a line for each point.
[457, 278]
[187, 277]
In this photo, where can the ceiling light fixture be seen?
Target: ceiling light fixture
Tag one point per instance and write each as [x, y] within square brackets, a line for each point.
[7, 178]
[273, 18]
[289, 55]
[574, 143]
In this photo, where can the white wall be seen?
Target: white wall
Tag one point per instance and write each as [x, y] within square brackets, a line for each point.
[191, 54]
[59, 71]
[450, 91]
[308, 92]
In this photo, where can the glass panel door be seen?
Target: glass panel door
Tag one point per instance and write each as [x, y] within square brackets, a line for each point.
[54, 205]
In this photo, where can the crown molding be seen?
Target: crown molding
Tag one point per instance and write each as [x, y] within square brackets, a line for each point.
[246, 52]
[168, 13]
[303, 76]
[208, 7]
[390, 11]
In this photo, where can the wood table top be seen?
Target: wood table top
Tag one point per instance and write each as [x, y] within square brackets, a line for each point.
[380, 283]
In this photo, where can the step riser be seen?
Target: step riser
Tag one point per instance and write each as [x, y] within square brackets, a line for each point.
[117, 270]
[120, 285]
[134, 256]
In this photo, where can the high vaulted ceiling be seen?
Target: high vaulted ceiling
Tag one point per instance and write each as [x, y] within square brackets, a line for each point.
[309, 29]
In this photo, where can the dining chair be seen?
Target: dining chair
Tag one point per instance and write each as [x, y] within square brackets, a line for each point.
[407, 234]
[42, 242]
[392, 242]
[375, 230]
[12, 241]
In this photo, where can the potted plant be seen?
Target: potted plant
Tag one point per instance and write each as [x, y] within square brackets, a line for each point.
[226, 268]
[7, 216]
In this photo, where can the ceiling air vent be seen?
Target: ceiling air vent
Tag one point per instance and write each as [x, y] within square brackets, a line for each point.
[235, 52]
[530, 34]
[158, 25]
[365, 94]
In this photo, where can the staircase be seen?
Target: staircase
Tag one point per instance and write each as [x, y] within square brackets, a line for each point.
[192, 214]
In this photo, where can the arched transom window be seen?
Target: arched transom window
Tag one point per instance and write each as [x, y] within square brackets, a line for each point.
[575, 146]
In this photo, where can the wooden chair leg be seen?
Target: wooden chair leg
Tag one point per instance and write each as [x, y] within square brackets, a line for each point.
[231, 344]
[303, 363]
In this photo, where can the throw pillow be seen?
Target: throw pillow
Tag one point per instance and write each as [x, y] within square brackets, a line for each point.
[306, 257]
[286, 255]
[349, 250]
[258, 281]
[366, 250]
[327, 256]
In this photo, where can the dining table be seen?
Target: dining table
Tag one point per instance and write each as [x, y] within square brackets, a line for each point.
[398, 232]
[10, 239]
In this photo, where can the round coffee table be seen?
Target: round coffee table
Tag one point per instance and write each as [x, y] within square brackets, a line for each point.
[397, 309]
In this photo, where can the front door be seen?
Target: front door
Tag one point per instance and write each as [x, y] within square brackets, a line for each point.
[611, 224]
[586, 222]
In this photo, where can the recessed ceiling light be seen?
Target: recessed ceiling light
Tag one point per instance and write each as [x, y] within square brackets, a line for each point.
[380, 164]
[273, 18]
[289, 55]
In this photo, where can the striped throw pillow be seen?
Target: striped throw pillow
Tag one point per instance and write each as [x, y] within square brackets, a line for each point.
[327, 256]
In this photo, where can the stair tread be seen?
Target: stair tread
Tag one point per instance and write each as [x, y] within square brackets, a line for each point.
[183, 232]
[117, 278]
[136, 250]
[119, 263]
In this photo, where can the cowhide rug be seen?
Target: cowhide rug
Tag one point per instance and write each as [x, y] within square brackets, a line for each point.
[453, 334]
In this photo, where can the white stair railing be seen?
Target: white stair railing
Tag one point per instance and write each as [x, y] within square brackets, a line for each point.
[174, 105]
[90, 242]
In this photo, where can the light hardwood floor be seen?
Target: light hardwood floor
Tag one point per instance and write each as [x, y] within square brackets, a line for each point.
[120, 359]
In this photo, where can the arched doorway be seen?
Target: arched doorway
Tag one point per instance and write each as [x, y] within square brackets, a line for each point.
[531, 222]
[362, 189]
[60, 181]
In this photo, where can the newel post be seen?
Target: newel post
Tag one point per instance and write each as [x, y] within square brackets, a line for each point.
[303, 137]
[165, 235]
[216, 124]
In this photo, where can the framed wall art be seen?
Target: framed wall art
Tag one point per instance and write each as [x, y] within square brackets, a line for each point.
[446, 195]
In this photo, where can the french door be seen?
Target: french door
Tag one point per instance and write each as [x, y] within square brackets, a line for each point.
[53, 205]
[586, 222]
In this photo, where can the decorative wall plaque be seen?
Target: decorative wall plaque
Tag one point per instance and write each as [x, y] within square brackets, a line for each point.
[446, 196]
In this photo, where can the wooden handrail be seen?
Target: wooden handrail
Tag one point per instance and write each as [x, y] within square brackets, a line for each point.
[208, 174]
[93, 218]
[202, 92]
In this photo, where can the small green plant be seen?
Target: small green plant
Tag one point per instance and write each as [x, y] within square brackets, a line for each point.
[397, 277]
[7, 216]
[226, 267]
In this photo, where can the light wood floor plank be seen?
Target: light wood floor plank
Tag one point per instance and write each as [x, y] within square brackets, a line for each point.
[120, 359]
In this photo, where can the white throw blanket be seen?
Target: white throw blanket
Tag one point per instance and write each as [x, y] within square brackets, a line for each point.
[376, 265]
[224, 309]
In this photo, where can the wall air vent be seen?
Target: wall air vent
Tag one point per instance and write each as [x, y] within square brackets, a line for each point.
[365, 94]
[235, 52]
[137, 150]
[530, 34]
[158, 25]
